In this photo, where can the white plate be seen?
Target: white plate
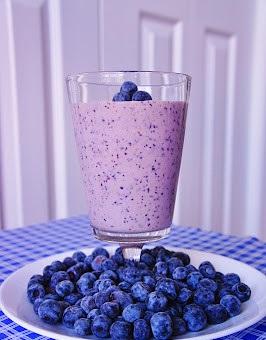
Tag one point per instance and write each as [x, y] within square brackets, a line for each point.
[14, 302]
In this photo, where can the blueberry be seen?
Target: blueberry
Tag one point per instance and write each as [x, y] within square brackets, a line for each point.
[142, 306]
[216, 314]
[204, 297]
[85, 282]
[147, 315]
[97, 263]
[132, 312]
[82, 327]
[104, 284]
[232, 304]
[208, 284]
[163, 255]
[125, 286]
[195, 317]
[50, 311]
[36, 279]
[76, 271]
[179, 326]
[147, 259]
[72, 298]
[64, 305]
[121, 97]
[87, 262]
[100, 251]
[64, 288]
[173, 263]
[35, 291]
[48, 271]
[161, 268]
[101, 298]
[112, 289]
[141, 330]
[69, 262]
[180, 285]
[109, 264]
[111, 309]
[118, 256]
[129, 87]
[71, 315]
[91, 292]
[58, 277]
[109, 274]
[140, 291]
[120, 330]
[93, 313]
[242, 291]
[193, 279]
[180, 273]
[224, 291]
[175, 310]
[183, 257]
[231, 279]
[101, 326]
[123, 298]
[157, 302]
[141, 96]
[191, 268]
[79, 256]
[207, 270]
[184, 296]
[131, 275]
[58, 266]
[219, 278]
[161, 326]
[150, 281]
[167, 287]
[52, 296]
[36, 304]
[87, 304]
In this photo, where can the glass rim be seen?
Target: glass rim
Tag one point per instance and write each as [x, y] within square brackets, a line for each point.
[74, 77]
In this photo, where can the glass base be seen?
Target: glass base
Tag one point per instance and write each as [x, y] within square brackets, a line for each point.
[130, 239]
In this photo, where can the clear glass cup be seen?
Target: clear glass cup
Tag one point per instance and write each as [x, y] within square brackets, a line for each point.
[130, 151]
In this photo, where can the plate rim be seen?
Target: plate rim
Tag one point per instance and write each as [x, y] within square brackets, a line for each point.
[220, 333]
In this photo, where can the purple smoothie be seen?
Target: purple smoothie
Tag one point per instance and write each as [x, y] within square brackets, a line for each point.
[130, 156]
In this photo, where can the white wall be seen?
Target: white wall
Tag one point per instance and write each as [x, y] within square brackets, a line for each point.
[221, 43]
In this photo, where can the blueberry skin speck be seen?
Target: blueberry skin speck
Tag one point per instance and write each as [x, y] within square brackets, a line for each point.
[82, 327]
[231, 279]
[232, 304]
[242, 291]
[167, 287]
[140, 291]
[35, 291]
[129, 87]
[216, 314]
[173, 263]
[150, 281]
[184, 296]
[69, 262]
[180, 273]
[195, 317]
[123, 298]
[203, 297]
[79, 256]
[64, 288]
[121, 97]
[157, 302]
[100, 326]
[207, 270]
[141, 96]
[141, 330]
[208, 284]
[93, 313]
[87, 304]
[193, 279]
[179, 326]
[111, 309]
[121, 330]
[132, 312]
[97, 263]
[72, 298]
[101, 298]
[50, 312]
[85, 282]
[71, 315]
[161, 268]
[161, 326]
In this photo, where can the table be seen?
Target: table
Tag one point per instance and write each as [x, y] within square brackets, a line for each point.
[27, 244]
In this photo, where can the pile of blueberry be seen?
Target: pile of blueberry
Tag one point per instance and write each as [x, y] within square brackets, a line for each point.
[129, 91]
[161, 296]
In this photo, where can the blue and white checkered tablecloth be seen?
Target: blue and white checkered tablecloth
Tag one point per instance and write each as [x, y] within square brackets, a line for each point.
[21, 246]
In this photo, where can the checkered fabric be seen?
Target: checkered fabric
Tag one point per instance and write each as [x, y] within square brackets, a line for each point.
[21, 246]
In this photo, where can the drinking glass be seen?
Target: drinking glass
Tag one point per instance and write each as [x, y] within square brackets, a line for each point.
[130, 152]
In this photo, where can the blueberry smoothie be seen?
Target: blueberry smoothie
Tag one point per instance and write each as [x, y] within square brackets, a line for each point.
[130, 153]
